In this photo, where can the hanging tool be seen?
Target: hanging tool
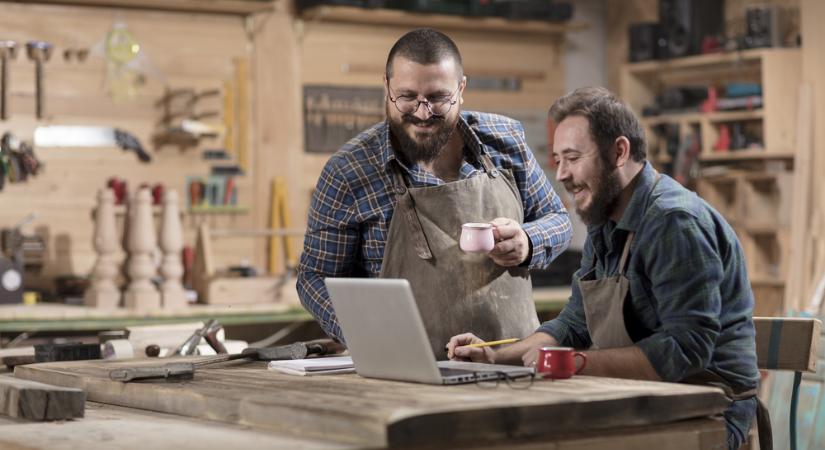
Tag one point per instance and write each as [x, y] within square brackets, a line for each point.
[8, 50]
[67, 136]
[39, 52]
[184, 370]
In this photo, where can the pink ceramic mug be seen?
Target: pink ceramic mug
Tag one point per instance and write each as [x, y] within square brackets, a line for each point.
[477, 237]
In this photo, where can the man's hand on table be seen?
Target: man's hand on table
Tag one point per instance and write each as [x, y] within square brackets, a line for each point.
[524, 352]
[457, 349]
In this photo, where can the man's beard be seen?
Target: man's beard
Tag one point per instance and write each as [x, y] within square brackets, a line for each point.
[428, 145]
[603, 195]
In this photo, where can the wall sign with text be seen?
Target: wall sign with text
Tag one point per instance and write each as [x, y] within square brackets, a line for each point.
[334, 115]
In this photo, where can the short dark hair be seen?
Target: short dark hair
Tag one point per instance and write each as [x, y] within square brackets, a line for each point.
[608, 116]
[425, 46]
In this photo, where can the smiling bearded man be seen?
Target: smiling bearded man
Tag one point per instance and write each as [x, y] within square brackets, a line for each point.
[391, 203]
[662, 292]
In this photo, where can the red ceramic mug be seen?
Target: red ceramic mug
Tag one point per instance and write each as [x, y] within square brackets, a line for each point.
[559, 362]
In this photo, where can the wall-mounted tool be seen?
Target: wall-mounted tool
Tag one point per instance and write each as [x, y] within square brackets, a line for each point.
[39, 52]
[68, 136]
[8, 50]
[18, 253]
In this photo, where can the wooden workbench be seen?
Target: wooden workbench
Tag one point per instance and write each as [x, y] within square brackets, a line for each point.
[347, 411]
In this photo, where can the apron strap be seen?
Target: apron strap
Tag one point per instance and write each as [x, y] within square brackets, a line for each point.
[625, 252]
[629, 240]
[406, 207]
[488, 165]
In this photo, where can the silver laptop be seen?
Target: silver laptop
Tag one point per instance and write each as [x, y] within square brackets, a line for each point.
[386, 337]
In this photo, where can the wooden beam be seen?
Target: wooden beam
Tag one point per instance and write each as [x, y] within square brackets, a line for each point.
[235, 7]
[387, 17]
[38, 401]
[800, 208]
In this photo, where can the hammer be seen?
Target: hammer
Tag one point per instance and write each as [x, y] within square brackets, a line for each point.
[8, 50]
[39, 52]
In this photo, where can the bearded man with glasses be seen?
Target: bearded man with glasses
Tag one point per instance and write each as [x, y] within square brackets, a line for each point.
[391, 203]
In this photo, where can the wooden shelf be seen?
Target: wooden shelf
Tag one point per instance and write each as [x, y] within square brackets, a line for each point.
[218, 210]
[735, 116]
[704, 61]
[652, 121]
[715, 117]
[767, 280]
[349, 14]
[740, 155]
[733, 155]
[234, 7]
[551, 299]
[760, 228]
[59, 317]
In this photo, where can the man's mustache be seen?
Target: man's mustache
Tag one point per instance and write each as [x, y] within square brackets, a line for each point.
[433, 120]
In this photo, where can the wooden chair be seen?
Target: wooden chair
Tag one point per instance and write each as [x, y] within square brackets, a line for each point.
[788, 344]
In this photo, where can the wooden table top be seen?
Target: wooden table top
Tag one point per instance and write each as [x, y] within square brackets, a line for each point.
[349, 409]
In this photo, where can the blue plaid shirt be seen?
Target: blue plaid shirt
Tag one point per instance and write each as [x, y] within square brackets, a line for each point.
[353, 204]
[690, 300]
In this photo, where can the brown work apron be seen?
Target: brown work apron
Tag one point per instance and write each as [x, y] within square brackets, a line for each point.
[604, 298]
[603, 301]
[457, 292]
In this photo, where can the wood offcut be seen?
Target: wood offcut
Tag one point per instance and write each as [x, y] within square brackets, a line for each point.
[31, 400]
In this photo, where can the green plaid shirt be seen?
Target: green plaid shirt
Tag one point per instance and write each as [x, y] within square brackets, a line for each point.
[690, 302]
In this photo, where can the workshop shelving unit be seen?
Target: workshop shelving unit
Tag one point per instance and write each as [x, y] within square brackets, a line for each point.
[750, 187]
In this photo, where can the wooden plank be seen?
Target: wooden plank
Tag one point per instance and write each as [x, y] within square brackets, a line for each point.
[38, 401]
[389, 17]
[813, 66]
[385, 413]
[800, 209]
[107, 427]
[238, 7]
[787, 343]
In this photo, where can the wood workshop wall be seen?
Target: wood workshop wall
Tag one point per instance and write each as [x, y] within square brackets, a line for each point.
[518, 74]
[622, 13]
[179, 50]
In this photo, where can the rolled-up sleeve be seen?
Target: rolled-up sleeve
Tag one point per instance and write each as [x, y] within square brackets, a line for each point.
[682, 260]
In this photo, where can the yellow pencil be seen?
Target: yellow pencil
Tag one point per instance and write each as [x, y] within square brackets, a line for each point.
[491, 343]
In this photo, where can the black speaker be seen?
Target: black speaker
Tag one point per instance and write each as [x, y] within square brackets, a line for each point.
[685, 23]
[764, 26]
[645, 41]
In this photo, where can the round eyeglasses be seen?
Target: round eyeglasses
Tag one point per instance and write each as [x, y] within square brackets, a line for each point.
[437, 105]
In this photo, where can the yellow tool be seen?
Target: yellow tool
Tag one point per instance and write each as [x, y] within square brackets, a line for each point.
[242, 102]
[281, 250]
